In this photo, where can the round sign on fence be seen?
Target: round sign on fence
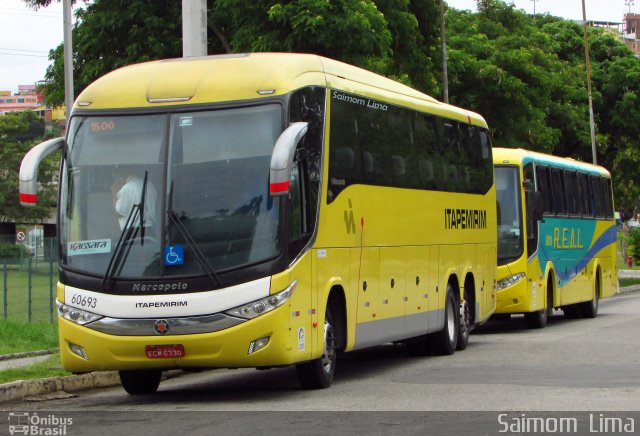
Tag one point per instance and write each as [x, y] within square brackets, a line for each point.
[20, 236]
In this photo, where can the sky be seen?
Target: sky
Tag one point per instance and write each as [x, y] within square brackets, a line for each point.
[26, 36]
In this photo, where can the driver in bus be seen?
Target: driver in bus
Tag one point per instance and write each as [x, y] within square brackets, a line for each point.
[126, 192]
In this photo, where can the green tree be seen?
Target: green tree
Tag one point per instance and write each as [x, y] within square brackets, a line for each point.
[19, 131]
[526, 75]
[392, 37]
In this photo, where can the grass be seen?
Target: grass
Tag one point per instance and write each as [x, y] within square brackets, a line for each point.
[14, 294]
[624, 282]
[21, 336]
[47, 368]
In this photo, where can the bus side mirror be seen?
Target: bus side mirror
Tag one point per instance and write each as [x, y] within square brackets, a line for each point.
[535, 204]
[29, 169]
[282, 158]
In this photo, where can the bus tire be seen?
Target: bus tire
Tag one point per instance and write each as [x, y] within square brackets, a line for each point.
[140, 382]
[445, 341]
[572, 311]
[464, 328]
[537, 319]
[318, 374]
[589, 309]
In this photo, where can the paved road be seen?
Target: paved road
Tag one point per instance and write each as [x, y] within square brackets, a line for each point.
[572, 365]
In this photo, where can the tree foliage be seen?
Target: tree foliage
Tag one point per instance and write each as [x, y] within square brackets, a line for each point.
[19, 131]
[397, 38]
[525, 74]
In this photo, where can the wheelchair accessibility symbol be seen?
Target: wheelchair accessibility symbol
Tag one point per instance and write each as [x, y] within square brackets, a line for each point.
[173, 255]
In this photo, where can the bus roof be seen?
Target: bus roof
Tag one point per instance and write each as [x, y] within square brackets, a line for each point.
[235, 77]
[520, 156]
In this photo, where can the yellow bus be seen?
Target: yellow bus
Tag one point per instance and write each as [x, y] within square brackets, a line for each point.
[260, 210]
[556, 236]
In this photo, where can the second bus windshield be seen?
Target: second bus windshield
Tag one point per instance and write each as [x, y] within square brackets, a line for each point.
[510, 238]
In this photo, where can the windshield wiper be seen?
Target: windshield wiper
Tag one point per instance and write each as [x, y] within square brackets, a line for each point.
[143, 196]
[200, 257]
[117, 257]
[129, 232]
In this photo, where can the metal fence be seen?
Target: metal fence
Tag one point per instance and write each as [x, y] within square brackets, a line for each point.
[28, 281]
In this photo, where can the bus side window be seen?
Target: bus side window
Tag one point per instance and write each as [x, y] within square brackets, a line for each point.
[608, 200]
[587, 204]
[598, 195]
[558, 194]
[570, 183]
[542, 183]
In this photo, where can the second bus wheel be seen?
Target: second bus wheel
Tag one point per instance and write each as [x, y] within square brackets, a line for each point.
[589, 309]
[318, 374]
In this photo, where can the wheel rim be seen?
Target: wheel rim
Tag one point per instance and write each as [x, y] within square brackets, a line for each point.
[329, 356]
[451, 322]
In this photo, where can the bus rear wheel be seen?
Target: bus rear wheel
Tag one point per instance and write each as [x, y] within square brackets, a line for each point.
[445, 341]
[589, 309]
[464, 330]
[318, 374]
[140, 382]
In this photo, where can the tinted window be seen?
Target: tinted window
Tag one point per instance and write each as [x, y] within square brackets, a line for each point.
[542, 180]
[608, 200]
[557, 189]
[376, 143]
[571, 191]
[584, 194]
[598, 195]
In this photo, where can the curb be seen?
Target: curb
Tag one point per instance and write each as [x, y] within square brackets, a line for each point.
[24, 388]
[26, 354]
[628, 289]
[20, 389]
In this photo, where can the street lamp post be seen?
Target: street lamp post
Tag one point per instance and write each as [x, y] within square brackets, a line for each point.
[534, 6]
[586, 53]
[68, 59]
[443, 43]
[629, 3]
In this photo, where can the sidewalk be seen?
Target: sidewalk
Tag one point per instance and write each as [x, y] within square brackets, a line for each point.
[628, 273]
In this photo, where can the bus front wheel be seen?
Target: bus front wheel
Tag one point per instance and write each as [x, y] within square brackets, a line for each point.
[140, 382]
[318, 374]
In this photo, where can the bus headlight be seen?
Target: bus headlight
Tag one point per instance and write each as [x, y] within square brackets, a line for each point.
[264, 305]
[76, 315]
[509, 281]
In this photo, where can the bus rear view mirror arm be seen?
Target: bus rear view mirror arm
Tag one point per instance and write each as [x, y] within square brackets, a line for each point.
[282, 158]
[29, 169]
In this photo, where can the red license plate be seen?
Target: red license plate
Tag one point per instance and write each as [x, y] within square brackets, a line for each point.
[165, 351]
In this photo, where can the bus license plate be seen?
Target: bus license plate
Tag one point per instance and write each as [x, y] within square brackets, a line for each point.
[165, 351]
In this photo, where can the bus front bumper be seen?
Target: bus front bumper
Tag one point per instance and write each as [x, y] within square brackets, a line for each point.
[514, 299]
[83, 349]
